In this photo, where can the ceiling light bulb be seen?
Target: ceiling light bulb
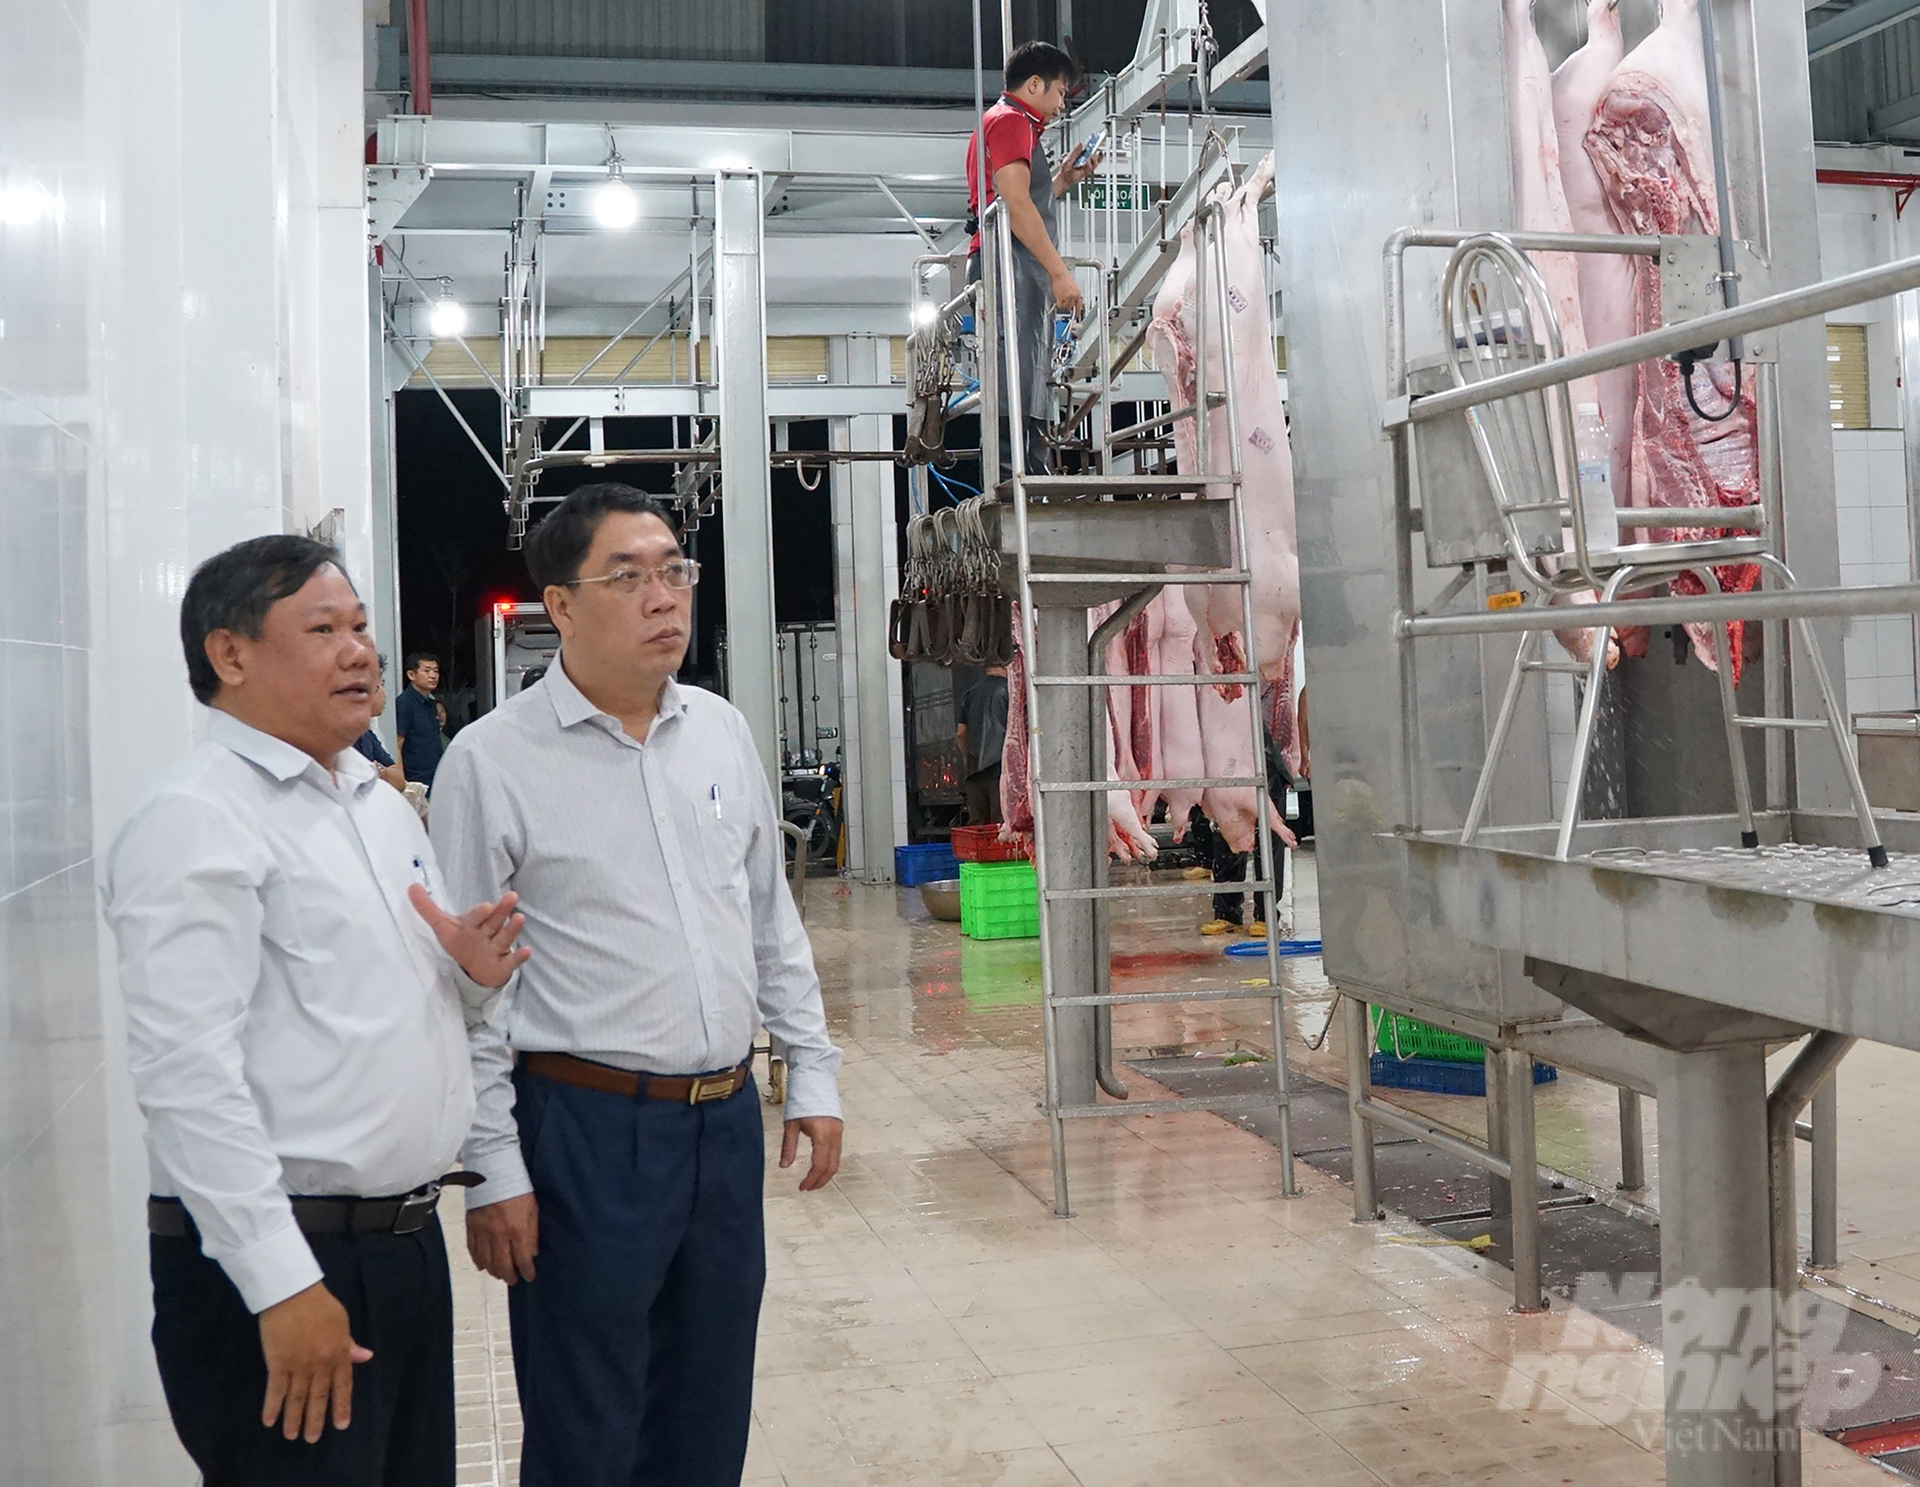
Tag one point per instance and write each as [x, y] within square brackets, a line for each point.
[615, 205]
[926, 312]
[447, 318]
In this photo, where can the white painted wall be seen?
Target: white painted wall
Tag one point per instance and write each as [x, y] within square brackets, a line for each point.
[182, 364]
[1858, 229]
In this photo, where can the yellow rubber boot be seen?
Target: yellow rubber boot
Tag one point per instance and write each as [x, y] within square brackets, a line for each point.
[1218, 927]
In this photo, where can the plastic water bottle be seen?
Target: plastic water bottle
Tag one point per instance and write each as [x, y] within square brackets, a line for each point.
[1597, 515]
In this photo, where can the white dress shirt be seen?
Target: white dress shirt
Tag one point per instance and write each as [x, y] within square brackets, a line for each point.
[295, 1027]
[653, 878]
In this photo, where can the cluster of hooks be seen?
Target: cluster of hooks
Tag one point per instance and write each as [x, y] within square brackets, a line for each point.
[952, 608]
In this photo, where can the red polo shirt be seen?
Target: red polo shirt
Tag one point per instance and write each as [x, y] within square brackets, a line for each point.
[1013, 136]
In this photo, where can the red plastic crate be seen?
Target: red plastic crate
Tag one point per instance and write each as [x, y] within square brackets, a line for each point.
[983, 844]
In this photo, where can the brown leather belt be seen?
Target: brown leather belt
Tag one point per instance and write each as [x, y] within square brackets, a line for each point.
[683, 1089]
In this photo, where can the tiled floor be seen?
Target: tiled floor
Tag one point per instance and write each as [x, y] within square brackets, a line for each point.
[927, 1320]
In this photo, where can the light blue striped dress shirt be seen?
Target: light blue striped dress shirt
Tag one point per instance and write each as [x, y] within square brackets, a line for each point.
[653, 878]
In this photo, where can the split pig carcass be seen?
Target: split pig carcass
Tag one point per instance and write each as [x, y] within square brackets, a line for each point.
[1651, 148]
[1544, 191]
[1265, 457]
[1127, 837]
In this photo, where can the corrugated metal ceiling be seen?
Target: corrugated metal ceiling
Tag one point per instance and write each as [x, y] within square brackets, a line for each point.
[885, 33]
[1854, 88]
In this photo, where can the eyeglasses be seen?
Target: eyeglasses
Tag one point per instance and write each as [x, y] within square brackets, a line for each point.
[677, 573]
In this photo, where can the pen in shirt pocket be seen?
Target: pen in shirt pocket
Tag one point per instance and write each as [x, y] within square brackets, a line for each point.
[714, 796]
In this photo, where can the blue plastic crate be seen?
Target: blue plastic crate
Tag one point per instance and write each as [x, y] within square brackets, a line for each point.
[929, 862]
[1439, 1076]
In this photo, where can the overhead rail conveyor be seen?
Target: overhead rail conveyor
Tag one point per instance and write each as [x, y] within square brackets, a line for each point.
[1109, 536]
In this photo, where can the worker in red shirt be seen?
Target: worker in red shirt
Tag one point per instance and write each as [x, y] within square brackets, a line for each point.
[1018, 172]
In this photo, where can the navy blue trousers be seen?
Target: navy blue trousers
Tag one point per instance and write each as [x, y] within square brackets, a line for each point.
[634, 1342]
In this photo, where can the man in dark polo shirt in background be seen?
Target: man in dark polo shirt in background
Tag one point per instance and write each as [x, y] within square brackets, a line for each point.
[417, 720]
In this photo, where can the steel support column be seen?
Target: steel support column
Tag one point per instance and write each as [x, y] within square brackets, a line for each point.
[1633, 1156]
[385, 374]
[1366, 1194]
[1076, 833]
[866, 564]
[1823, 1253]
[740, 364]
[1521, 1151]
[1716, 1274]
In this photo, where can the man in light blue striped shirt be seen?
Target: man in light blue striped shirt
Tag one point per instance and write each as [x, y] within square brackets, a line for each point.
[617, 1124]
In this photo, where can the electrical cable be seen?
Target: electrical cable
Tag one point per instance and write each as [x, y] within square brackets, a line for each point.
[951, 486]
[1686, 361]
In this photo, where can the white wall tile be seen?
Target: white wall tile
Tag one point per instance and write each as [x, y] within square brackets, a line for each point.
[1855, 526]
[1892, 537]
[1887, 477]
[1852, 485]
[1895, 647]
[1862, 650]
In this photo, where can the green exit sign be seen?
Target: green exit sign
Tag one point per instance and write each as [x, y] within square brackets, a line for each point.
[1128, 196]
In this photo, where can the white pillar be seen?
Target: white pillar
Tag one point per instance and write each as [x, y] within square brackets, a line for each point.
[867, 578]
[746, 486]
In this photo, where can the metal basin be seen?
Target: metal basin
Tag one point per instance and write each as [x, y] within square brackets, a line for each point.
[942, 898]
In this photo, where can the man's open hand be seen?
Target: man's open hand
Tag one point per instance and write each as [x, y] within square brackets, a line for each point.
[824, 1131]
[480, 940]
[310, 1355]
[504, 1237]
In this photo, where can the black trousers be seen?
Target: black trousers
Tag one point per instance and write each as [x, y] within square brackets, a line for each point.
[633, 1344]
[1230, 866]
[400, 1304]
[983, 797]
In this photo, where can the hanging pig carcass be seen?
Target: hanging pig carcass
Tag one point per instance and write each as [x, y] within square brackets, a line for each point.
[1652, 150]
[1606, 279]
[1127, 837]
[1221, 646]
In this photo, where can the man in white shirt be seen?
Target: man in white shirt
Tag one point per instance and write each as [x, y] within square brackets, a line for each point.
[617, 1123]
[297, 1009]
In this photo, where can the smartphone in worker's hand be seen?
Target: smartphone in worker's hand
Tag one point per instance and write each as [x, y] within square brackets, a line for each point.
[1091, 148]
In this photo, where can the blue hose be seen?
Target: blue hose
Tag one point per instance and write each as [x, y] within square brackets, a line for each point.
[1287, 947]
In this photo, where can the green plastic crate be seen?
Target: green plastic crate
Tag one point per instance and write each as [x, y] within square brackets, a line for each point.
[999, 901]
[1408, 1037]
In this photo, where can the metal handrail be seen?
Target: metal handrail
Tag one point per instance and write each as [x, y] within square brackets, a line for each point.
[1772, 604]
[1686, 335]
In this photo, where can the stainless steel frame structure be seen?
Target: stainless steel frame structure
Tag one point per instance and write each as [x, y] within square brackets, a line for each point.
[1071, 548]
[1684, 955]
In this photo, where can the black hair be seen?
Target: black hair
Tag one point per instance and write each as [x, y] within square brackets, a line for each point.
[233, 590]
[559, 545]
[1041, 59]
[416, 660]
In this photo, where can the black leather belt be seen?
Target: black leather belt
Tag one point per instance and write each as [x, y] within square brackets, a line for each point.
[404, 1214]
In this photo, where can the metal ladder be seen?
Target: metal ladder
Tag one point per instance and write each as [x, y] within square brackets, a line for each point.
[1095, 550]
